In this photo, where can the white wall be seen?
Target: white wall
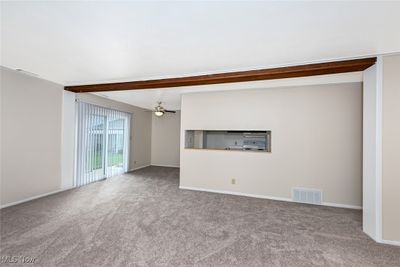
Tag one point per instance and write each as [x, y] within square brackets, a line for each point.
[140, 147]
[381, 171]
[31, 130]
[316, 141]
[165, 138]
[372, 112]
[68, 140]
[391, 148]
[1, 135]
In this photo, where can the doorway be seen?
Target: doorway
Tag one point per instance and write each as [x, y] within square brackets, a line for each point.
[102, 143]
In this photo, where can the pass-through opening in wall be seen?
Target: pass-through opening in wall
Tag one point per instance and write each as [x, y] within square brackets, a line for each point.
[232, 140]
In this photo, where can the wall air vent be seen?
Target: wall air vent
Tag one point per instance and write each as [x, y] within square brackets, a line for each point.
[307, 195]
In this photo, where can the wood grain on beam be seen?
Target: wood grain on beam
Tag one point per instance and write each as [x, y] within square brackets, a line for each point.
[232, 77]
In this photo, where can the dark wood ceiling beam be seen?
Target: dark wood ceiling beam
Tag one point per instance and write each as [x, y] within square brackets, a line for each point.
[233, 77]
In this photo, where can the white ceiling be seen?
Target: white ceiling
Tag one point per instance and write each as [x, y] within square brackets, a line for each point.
[72, 42]
[171, 97]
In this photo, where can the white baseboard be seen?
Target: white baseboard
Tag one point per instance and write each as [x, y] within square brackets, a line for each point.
[34, 197]
[138, 168]
[234, 193]
[169, 166]
[390, 242]
[336, 205]
[265, 197]
[157, 165]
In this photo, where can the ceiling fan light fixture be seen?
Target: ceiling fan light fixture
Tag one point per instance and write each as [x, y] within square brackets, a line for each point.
[158, 113]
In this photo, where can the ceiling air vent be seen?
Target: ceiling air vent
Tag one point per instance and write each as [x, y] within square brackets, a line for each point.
[307, 195]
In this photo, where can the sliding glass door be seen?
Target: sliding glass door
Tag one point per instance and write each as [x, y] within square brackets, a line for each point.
[102, 143]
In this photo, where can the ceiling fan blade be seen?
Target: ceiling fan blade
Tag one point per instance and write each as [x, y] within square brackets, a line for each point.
[170, 111]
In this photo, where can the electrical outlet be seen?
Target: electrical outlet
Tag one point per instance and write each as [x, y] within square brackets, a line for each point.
[233, 181]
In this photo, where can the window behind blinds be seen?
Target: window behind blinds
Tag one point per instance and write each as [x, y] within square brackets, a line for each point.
[102, 143]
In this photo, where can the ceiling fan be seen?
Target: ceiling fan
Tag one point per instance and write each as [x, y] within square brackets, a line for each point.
[160, 110]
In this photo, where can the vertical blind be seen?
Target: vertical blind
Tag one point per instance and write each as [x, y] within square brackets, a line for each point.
[102, 143]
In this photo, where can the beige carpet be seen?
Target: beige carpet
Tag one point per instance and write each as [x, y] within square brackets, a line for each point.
[143, 219]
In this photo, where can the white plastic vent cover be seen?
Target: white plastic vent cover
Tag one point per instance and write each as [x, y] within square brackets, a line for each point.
[307, 195]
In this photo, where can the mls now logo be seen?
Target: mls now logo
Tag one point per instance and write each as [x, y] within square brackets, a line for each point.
[17, 259]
